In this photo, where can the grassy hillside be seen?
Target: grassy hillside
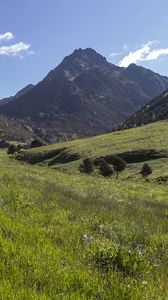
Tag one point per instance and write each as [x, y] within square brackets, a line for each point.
[66, 236]
[132, 144]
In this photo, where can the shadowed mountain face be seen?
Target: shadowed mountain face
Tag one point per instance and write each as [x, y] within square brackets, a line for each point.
[155, 110]
[84, 95]
[20, 93]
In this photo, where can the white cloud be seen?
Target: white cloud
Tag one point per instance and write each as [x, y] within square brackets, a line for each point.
[15, 49]
[6, 37]
[115, 54]
[155, 54]
[145, 53]
[138, 55]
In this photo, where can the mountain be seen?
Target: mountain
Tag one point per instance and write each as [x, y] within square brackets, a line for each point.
[20, 93]
[15, 130]
[155, 110]
[151, 83]
[85, 95]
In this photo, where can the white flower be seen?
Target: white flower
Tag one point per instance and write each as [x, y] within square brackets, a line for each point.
[87, 239]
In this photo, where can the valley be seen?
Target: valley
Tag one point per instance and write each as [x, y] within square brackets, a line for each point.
[66, 235]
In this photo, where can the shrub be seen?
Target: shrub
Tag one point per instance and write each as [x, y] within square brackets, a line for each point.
[87, 166]
[19, 147]
[4, 144]
[128, 262]
[12, 149]
[146, 170]
[119, 164]
[36, 143]
[105, 169]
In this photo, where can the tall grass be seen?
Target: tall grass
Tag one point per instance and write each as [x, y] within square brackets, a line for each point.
[80, 237]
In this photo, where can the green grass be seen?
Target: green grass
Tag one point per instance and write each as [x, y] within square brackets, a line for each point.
[152, 136]
[66, 235]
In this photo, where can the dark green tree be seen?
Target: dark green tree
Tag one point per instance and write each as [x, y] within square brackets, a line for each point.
[87, 166]
[105, 169]
[119, 165]
[146, 170]
[19, 147]
[12, 149]
[36, 143]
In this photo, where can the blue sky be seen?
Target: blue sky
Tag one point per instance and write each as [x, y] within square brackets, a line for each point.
[35, 35]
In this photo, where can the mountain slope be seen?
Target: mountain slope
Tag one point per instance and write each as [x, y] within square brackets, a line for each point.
[18, 94]
[84, 95]
[15, 130]
[74, 236]
[151, 83]
[155, 110]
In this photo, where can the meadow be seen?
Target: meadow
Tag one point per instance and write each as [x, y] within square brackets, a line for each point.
[66, 235]
[67, 156]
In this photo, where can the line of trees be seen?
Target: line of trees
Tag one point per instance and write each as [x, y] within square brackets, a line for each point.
[107, 170]
[13, 149]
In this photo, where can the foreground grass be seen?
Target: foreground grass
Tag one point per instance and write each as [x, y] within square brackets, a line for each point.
[80, 237]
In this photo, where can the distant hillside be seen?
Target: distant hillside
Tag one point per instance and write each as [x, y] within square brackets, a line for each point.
[155, 110]
[85, 95]
[151, 83]
[15, 130]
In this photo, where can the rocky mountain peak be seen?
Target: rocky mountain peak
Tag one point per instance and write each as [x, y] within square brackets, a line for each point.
[84, 58]
[85, 95]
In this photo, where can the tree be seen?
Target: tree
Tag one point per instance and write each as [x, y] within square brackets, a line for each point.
[36, 143]
[105, 169]
[146, 170]
[87, 166]
[19, 147]
[12, 149]
[119, 164]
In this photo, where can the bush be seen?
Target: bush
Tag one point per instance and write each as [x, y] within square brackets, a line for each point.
[119, 164]
[12, 149]
[36, 143]
[19, 147]
[146, 170]
[87, 166]
[105, 169]
[126, 261]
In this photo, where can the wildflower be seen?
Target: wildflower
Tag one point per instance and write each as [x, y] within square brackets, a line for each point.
[144, 282]
[87, 239]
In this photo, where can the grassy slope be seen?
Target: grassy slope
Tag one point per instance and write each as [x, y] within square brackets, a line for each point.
[44, 214]
[152, 136]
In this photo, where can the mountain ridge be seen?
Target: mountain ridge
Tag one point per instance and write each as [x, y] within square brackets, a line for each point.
[22, 92]
[155, 110]
[84, 95]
